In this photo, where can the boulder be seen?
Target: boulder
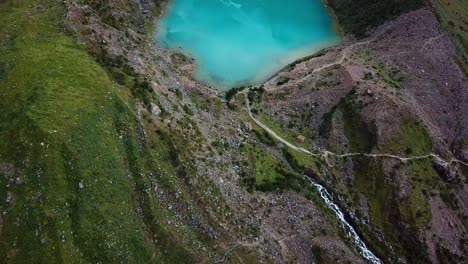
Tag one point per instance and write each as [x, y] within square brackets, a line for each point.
[447, 172]
[248, 126]
[155, 110]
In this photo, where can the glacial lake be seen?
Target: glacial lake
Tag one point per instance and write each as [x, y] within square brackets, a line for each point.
[244, 42]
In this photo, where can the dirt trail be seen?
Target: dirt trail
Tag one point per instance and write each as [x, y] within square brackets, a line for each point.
[344, 55]
[326, 154]
[272, 133]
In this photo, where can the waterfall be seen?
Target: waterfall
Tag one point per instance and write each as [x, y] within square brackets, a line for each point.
[361, 246]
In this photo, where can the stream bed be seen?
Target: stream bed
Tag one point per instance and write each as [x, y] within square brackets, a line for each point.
[350, 231]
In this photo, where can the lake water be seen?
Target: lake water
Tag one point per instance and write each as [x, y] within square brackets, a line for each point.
[244, 42]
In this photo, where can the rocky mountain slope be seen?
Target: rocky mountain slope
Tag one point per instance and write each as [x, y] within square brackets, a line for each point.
[111, 152]
[399, 92]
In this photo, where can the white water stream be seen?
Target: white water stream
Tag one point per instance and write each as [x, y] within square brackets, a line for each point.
[361, 246]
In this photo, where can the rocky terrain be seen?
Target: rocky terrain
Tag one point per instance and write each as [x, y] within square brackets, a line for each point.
[113, 153]
[405, 98]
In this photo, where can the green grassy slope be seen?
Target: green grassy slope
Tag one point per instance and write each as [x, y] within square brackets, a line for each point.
[453, 15]
[72, 166]
[355, 16]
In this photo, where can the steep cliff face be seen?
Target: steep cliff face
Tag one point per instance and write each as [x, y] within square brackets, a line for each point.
[110, 151]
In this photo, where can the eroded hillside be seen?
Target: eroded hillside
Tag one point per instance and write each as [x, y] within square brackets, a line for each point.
[111, 152]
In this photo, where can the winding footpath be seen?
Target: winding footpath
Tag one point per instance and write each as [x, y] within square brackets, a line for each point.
[326, 154]
[327, 198]
[344, 56]
[273, 134]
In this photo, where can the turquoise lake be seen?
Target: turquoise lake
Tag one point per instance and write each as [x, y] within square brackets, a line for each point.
[244, 42]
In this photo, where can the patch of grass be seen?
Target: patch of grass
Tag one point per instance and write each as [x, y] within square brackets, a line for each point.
[2, 71]
[454, 17]
[357, 16]
[387, 213]
[179, 94]
[384, 207]
[365, 54]
[74, 141]
[300, 161]
[411, 140]
[232, 92]
[283, 132]
[218, 106]
[415, 209]
[267, 166]
[188, 110]
[199, 102]
[370, 180]
[391, 77]
[283, 80]
[263, 136]
[361, 138]
[150, 26]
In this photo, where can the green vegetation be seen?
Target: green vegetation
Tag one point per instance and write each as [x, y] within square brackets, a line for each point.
[263, 136]
[75, 144]
[415, 209]
[266, 167]
[360, 136]
[318, 253]
[255, 94]
[283, 80]
[150, 27]
[453, 15]
[386, 211]
[199, 102]
[286, 133]
[301, 161]
[412, 139]
[179, 94]
[218, 103]
[370, 180]
[267, 170]
[391, 77]
[232, 92]
[356, 16]
[2, 71]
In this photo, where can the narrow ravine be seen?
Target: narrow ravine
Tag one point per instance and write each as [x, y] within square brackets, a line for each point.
[350, 231]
